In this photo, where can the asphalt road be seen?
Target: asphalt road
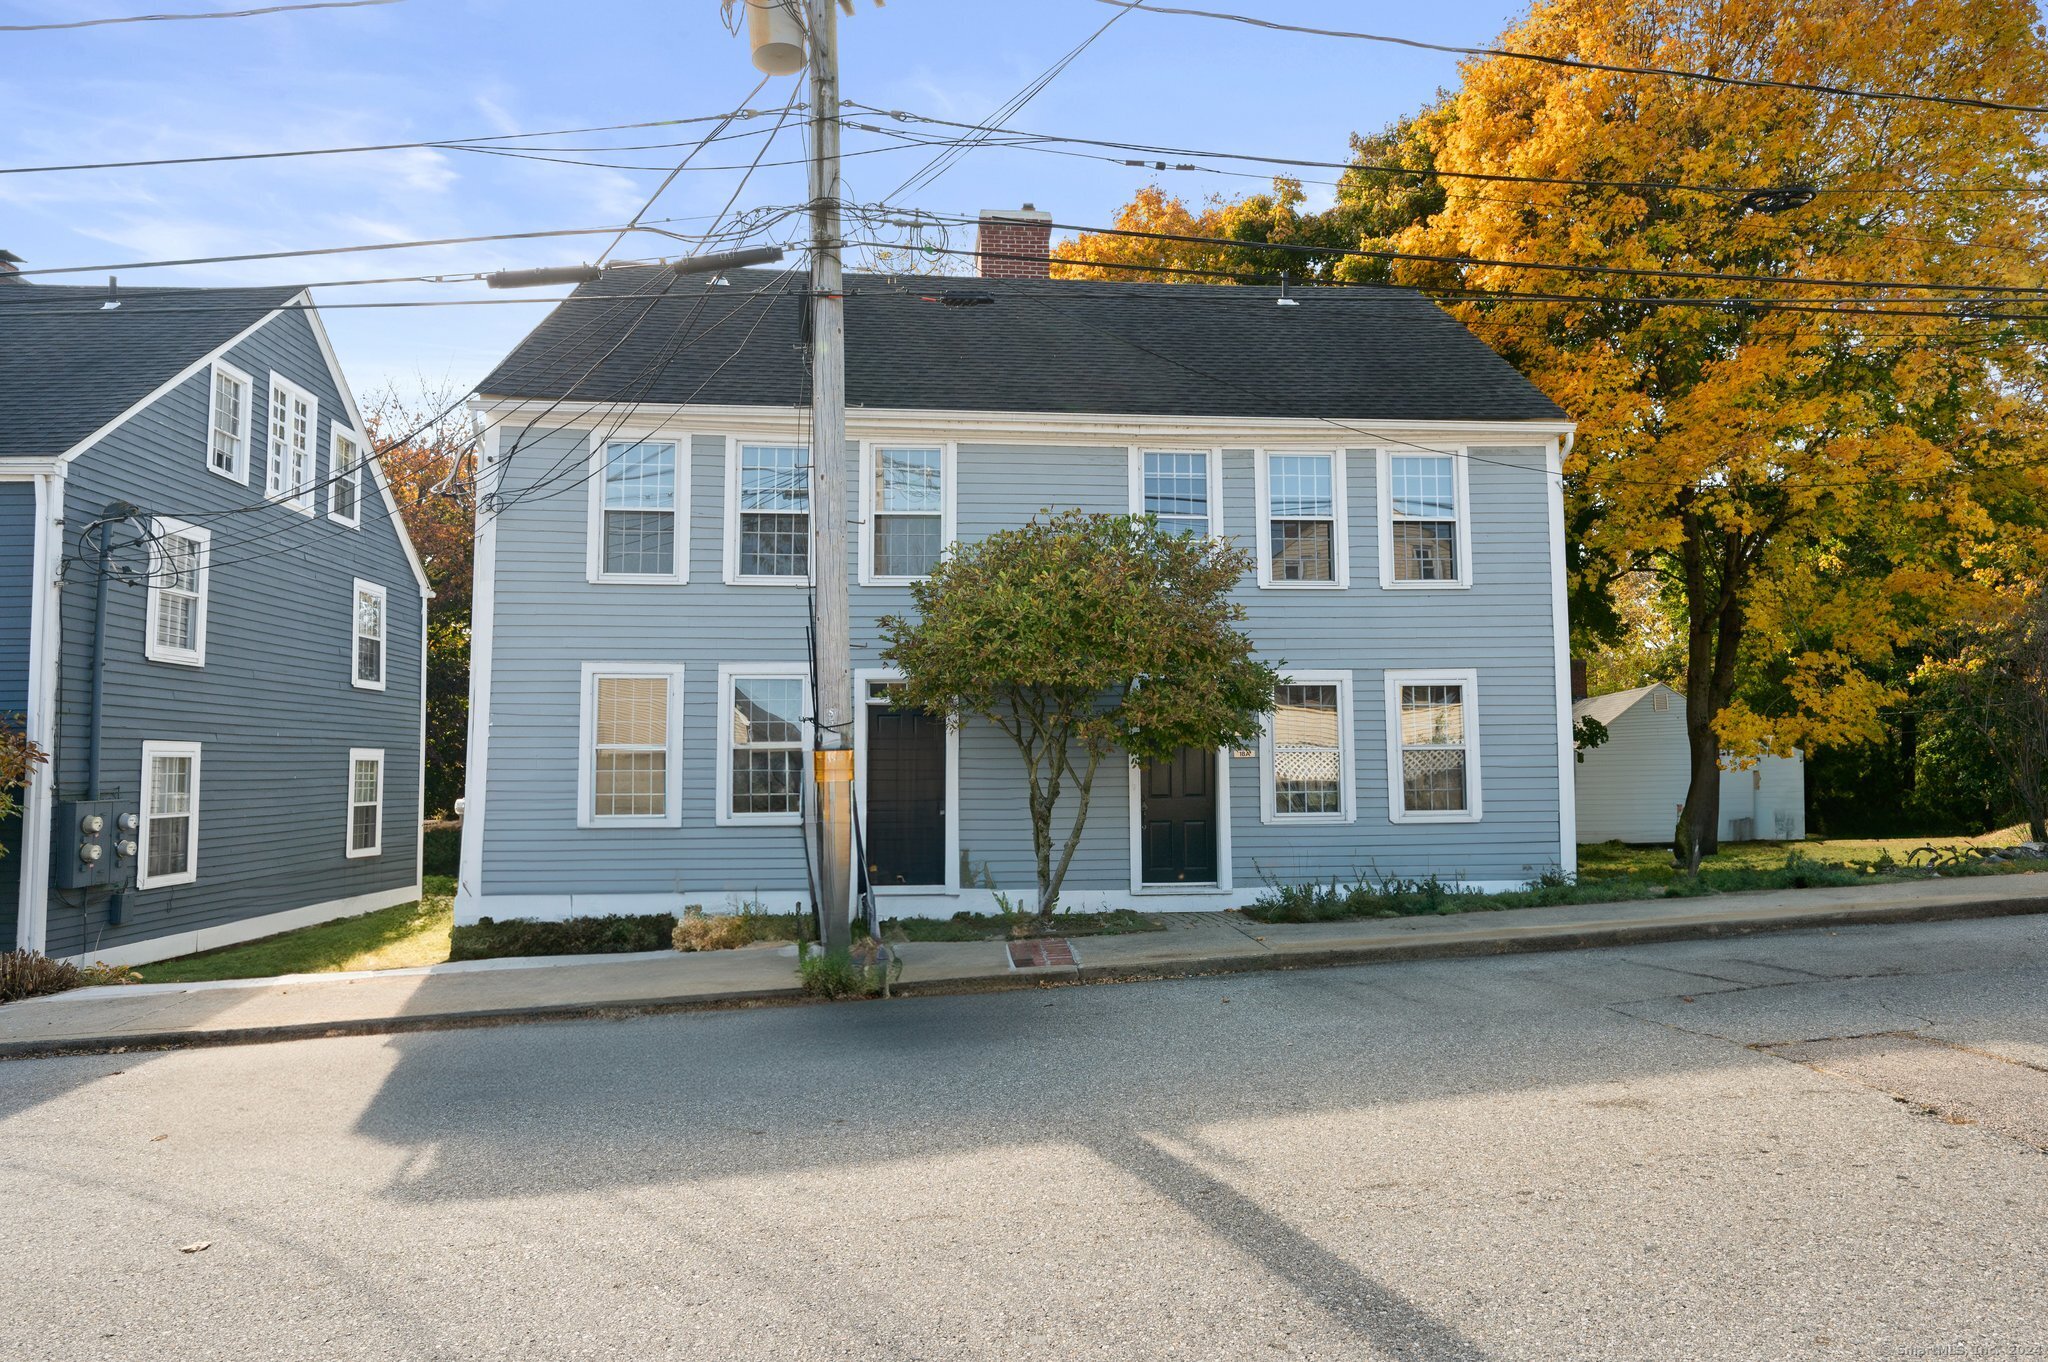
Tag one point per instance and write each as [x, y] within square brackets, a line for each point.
[1597, 1155]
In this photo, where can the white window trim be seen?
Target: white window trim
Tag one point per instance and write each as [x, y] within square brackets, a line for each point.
[303, 500]
[1383, 476]
[1347, 744]
[355, 637]
[593, 567]
[732, 515]
[241, 473]
[1340, 547]
[357, 754]
[870, 456]
[1137, 455]
[151, 649]
[1465, 677]
[728, 673]
[150, 751]
[586, 746]
[337, 431]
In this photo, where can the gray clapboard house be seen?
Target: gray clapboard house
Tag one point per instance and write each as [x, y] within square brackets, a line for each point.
[640, 697]
[210, 617]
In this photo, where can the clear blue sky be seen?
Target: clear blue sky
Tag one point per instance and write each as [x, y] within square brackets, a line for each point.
[427, 69]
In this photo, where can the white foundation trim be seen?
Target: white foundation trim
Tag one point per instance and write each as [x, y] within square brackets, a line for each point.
[248, 929]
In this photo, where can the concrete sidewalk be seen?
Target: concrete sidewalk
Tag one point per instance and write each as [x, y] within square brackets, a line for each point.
[159, 1016]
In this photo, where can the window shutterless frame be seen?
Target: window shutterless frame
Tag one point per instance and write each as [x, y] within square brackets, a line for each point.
[291, 430]
[174, 624]
[347, 451]
[1304, 514]
[1166, 479]
[229, 440]
[633, 501]
[777, 477]
[369, 634]
[737, 732]
[1274, 743]
[1429, 687]
[907, 508]
[629, 739]
[365, 835]
[1410, 495]
[168, 850]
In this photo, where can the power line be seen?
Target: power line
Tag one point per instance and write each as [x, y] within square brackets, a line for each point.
[216, 14]
[442, 143]
[1579, 64]
[688, 156]
[1430, 172]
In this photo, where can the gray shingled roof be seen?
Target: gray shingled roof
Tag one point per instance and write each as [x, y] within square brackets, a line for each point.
[67, 366]
[1077, 346]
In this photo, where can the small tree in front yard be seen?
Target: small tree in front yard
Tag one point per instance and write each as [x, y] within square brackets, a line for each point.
[1080, 636]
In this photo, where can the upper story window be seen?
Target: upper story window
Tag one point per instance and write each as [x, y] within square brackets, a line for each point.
[227, 422]
[768, 514]
[1424, 535]
[175, 623]
[365, 801]
[169, 853]
[345, 476]
[635, 511]
[1179, 487]
[1307, 763]
[1433, 746]
[629, 771]
[1302, 542]
[762, 743]
[907, 525]
[289, 472]
[368, 632]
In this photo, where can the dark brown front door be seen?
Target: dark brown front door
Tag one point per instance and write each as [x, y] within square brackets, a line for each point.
[906, 779]
[1177, 810]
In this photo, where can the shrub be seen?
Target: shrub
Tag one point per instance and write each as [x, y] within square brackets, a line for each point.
[697, 930]
[444, 850]
[866, 971]
[488, 939]
[29, 974]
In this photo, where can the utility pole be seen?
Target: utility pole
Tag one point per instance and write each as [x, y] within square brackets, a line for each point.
[831, 809]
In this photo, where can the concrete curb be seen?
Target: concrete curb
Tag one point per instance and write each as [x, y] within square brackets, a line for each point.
[1440, 946]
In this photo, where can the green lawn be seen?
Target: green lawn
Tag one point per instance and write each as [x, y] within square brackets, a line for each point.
[1002, 927]
[1610, 860]
[410, 934]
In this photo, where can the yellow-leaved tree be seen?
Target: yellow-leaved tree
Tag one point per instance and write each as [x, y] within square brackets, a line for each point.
[1814, 472]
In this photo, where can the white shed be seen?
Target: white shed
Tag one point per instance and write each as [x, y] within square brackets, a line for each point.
[1631, 787]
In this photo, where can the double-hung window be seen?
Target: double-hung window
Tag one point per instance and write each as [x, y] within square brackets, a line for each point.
[630, 769]
[768, 508]
[345, 476]
[290, 469]
[764, 736]
[367, 632]
[1433, 746]
[1301, 510]
[635, 511]
[906, 526]
[365, 801]
[1307, 767]
[175, 627]
[1179, 488]
[227, 422]
[169, 853]
[1424, 535]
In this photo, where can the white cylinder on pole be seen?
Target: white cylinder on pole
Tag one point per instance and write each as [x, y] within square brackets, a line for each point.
[776, 37]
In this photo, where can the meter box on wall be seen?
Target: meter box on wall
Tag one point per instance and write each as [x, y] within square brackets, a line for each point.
[94, 844]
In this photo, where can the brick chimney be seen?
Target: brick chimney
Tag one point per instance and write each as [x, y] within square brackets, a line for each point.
[10, 268]
[1014, 232]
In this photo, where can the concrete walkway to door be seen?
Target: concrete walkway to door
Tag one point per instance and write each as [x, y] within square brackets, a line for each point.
[492, 992]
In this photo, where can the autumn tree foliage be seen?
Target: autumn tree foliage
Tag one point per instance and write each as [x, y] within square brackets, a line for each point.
[427, 447]
[1078, 637]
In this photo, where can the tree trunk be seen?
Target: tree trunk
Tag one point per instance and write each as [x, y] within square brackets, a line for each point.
[1717, 565]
